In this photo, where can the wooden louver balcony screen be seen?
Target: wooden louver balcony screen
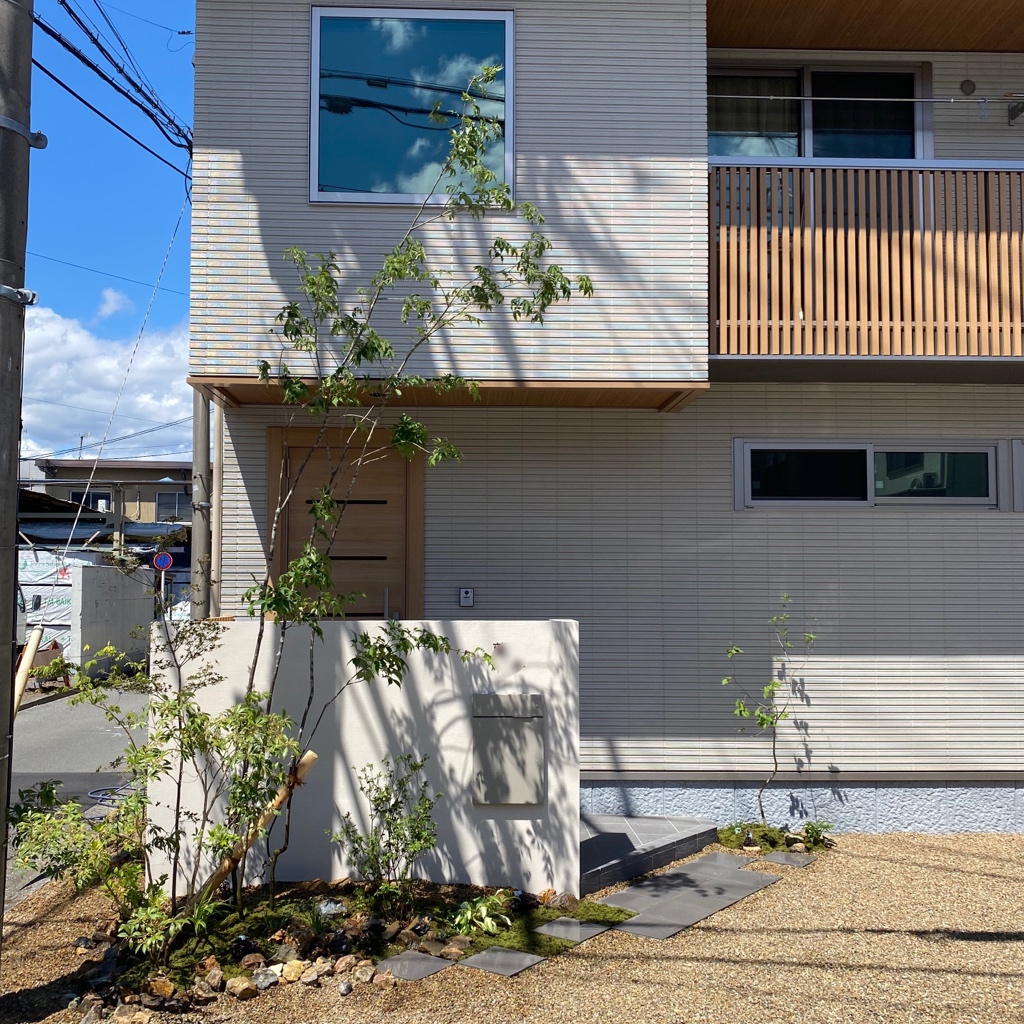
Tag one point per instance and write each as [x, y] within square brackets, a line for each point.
[866, 261]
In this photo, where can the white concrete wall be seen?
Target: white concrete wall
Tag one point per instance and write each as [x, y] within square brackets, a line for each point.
[527, 847]
[109, 608]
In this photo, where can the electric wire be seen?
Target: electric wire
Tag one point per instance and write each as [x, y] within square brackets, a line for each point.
[105, 440]
[113, 124]
[124, 379]
[171, 130]
[84, 408]
[155, 24]
[104, 273]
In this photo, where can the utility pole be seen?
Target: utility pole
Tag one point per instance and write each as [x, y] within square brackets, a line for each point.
[201, 523]
[16, 141]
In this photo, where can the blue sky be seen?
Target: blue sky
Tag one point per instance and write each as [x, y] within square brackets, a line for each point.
[99, 201]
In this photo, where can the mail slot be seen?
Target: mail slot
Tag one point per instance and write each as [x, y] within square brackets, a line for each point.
[509, 750]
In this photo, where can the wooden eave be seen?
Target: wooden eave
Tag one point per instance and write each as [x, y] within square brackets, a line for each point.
[662, 396]
[995, 26]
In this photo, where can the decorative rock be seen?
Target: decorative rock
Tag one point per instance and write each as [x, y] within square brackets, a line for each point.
[215, 979]
[385, 980]
[68, 998]
[242, 989]
[331, 908]
[407, 937]
[264, 979]
[83, 942]
[323, 967]
[284, 954]
[210, 963]
[793, 837]
[564, 901]
[94, 1015]
[452, 952]
[462, 941]
[364, 973]
[309, 977]
[391, 930]
[252, 961]
[345, 988]
[431, 946]
[302, 938]
[200, 994]
[140, 1017]
[151, 1002]
[753, 850]
[345, 963]
[100, 936]
[294, 969]
[339, 944]
[276, 969]
[242, 944]
[159, 985]
[798, 848]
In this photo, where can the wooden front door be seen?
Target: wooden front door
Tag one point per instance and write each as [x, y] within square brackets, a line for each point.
[377, 548]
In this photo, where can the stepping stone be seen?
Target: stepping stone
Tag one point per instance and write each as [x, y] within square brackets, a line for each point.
[413, 966]
[499, 960]
[571, 929]
[718, 862]
[794, 860]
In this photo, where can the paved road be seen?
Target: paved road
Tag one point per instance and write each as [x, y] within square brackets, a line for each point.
[73, 744]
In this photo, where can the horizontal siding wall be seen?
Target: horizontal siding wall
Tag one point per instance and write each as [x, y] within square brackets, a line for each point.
[616, 162]
[625, 522]
[962, 130]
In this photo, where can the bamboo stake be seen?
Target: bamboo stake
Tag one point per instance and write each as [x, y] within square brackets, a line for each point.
[229, 863]
[28, 657]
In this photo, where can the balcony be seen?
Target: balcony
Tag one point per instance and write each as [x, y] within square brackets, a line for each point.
[918, 260]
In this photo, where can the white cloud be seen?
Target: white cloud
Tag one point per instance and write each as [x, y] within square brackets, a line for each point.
[113, 302]
[417, 148]
[456, 73]
[398, 34]
[68, 365]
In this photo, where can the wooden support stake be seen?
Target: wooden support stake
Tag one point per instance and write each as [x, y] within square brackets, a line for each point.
[229, 863]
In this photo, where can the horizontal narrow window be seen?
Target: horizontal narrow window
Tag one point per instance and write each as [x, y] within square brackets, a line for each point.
[865, 473]
[808, 474]
[905, 474]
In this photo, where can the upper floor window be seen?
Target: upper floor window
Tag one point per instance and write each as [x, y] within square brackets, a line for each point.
[840, 114]
[173, 507]
[98, 501]
[386, 91]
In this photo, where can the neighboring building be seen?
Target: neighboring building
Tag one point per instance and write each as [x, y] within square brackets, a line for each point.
[140, 491]
[823, 398]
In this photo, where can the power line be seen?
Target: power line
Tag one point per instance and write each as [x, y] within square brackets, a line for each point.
[184, 140]
[155, 24]
[85, 408]
[113, 124]
[103, 273]
[106, 441]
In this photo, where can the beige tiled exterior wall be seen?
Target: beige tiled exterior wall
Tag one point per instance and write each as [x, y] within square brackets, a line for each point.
[626, 522]
[615, 160]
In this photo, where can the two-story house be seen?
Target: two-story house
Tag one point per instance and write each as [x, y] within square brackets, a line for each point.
[801, 371]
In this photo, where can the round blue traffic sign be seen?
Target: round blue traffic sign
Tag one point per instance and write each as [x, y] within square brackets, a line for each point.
[162, 561]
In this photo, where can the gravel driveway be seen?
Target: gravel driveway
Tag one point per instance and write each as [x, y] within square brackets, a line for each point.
[885, 928]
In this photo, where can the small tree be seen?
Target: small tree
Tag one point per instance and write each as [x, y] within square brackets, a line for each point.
[771, 707]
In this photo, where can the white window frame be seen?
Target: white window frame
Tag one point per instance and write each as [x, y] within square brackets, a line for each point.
[924, 146]
[438, 14]
[998, 460]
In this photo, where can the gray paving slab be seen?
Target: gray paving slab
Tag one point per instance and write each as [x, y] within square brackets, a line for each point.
[718, 862]
[571, 929]
[682, 883]
[413, 966]
[794, 860]
[499, 960]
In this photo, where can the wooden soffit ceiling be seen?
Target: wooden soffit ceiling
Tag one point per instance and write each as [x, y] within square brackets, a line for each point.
[995, 26]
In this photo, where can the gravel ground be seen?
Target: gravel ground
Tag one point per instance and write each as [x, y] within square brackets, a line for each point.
[884, 928]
